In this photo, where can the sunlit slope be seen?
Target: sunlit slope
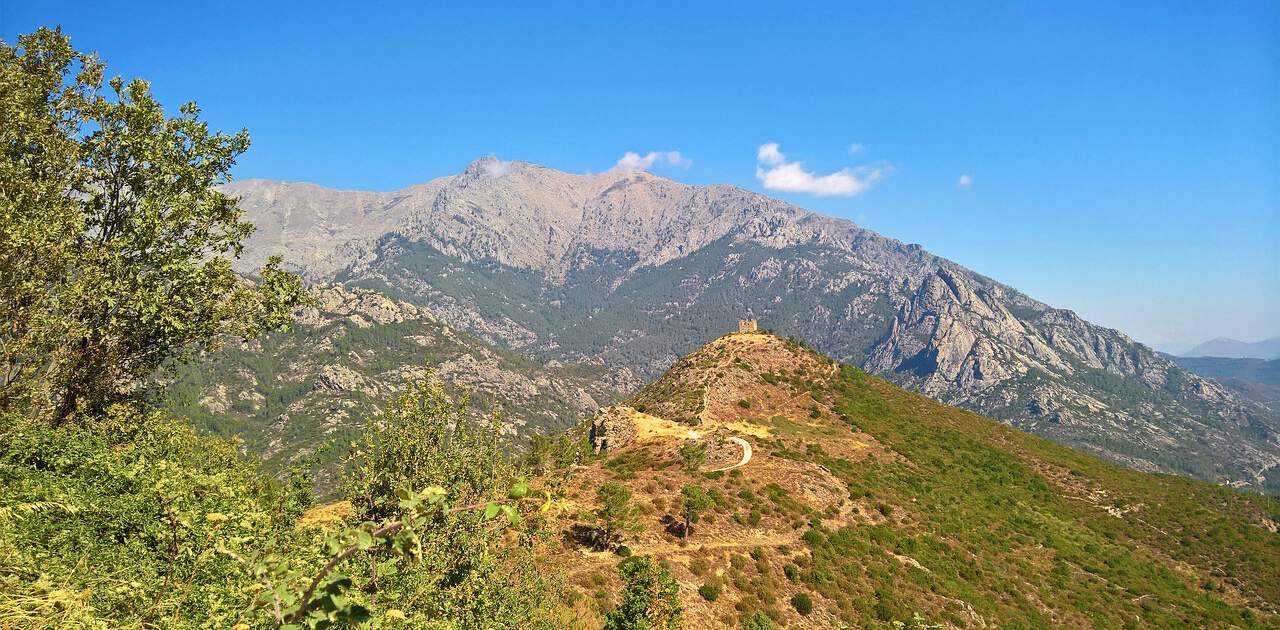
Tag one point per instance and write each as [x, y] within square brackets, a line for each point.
[877, 504]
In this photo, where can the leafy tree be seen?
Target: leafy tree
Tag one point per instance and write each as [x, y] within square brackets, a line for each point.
[693, 502]
[693, 454]
[465, 572]
[616, 513]
[650, 598]
[116, 251]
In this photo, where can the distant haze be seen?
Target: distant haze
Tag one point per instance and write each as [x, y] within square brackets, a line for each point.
[1235, 349]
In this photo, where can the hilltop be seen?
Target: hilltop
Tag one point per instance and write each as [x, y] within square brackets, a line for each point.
[634, 271]
[876, 504]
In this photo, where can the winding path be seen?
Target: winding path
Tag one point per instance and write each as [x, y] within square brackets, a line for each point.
[746, 454]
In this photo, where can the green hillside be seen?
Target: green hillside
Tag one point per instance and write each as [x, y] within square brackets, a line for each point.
[291, 393]
[935, 510]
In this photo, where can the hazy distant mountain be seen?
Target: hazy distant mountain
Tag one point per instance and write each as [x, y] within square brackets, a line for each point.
[633, 271]
[1257, 380]
[1235, 349]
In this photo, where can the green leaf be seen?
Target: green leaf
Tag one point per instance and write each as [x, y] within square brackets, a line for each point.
[518, 491]
[358, 614]
[512, 515]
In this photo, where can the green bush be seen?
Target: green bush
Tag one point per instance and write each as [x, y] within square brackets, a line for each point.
[802, 603]
[709, 592]
[791, 571]
[744, 403]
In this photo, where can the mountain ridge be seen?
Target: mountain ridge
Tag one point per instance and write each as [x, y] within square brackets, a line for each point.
[1223, 347]
[637, 270]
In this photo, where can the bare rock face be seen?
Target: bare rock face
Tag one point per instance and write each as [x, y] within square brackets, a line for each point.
[613, 428]
[630, 271]
[338, 378]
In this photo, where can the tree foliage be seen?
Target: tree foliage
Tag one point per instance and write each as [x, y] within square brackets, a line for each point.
[466, 571]
[693, 455]
[649, 597]
[115, 243]
[693, 502]
[616, 514]
[115, 261]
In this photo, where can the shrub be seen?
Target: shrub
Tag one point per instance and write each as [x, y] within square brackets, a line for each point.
[802, 603]
[699, 566]
[623, 551]
[791, 571]
[757, 621]
[744, 403]
[709, 592]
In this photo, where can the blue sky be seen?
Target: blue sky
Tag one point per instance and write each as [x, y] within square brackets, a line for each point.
[1122, 161]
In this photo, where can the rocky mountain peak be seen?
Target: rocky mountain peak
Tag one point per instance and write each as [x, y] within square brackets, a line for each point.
[631, 271]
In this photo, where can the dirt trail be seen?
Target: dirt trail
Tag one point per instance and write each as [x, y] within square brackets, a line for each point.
[746, 454]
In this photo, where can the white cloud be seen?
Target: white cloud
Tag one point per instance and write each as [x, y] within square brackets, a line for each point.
[769, 154]
[857, 148]
[964, 182]
[493, 167]
[776, 173]
[632, 161]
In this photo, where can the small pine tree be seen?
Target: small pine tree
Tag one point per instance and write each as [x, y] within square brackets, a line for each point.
[616, 514]
[693, 502]
[693, 455]
[649, 597]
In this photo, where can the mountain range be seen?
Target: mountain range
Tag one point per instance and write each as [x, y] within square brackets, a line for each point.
[1235, 349]
[1256, 380]
[617, 275]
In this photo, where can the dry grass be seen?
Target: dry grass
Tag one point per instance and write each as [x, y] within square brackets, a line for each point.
[327, 516]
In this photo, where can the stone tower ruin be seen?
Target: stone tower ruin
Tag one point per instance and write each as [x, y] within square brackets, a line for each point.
[747, 326]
